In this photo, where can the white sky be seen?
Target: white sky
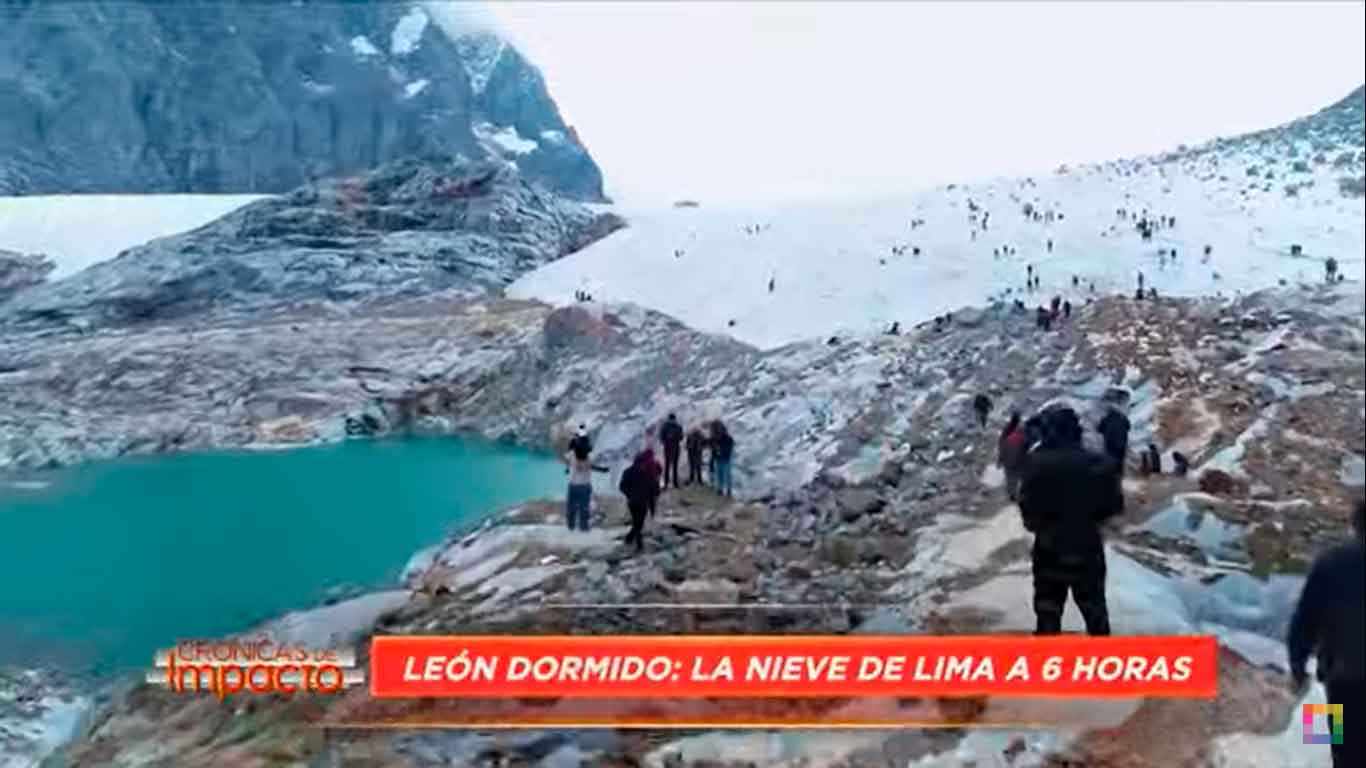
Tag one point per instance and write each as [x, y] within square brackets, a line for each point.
[742, 101]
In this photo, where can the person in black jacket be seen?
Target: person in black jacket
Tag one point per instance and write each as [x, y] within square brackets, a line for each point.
[723, 452]
[1114, 430]
[693, 444]
[982, 405]
[1066, 493]
[671, 435]
[1328, 622]
[640, 490]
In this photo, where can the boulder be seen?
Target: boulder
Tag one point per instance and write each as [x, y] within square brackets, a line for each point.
[576, 327]
[1217, 482]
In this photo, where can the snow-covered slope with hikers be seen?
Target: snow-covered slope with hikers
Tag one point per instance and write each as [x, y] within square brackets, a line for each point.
[853, 265]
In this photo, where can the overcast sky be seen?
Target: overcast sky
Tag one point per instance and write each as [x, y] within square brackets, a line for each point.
[728, 100]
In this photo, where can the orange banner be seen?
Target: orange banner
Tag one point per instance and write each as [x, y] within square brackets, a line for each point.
[790, 666]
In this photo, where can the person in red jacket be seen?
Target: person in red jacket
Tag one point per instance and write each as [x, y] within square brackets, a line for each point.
[655, 471]
[1010, 454]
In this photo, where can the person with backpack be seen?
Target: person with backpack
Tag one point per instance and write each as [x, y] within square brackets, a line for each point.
[693, 444]
[1066, 494]
[723, 453]
[671, 436]
[1010, 453]
[1328, 623]
[640, 491]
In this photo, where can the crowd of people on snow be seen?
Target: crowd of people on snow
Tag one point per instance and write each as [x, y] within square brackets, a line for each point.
[1066, 493]
[707, 446]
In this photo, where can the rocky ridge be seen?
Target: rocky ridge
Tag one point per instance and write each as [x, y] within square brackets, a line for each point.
[867, 491]
[412, 227]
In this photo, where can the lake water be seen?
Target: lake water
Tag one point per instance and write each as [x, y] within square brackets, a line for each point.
[104, 563]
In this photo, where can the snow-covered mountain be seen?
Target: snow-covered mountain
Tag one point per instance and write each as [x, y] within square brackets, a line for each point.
[860, 265]
[138, 96]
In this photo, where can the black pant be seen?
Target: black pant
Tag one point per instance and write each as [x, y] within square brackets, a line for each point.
[1352, 696]
[670, 466]
[637, 532]
[695, 467]
[1084, 576]
[982, 417]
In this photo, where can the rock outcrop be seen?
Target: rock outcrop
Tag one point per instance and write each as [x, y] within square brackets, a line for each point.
[144, 96]
[414, 227]
[19, 271]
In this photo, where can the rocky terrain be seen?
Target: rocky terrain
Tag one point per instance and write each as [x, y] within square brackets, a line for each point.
[19, 271]
[412, 227]
[867, 492]
[144, 96]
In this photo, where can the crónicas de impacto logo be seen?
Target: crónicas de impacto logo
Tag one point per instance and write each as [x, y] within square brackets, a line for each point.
[225, 667]
[1332, 723]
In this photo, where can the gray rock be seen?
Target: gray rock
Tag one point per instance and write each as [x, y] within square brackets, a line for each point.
[143, 96]
[19, 271]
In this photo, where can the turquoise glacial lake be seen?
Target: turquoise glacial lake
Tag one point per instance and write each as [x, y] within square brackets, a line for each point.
[102, 564]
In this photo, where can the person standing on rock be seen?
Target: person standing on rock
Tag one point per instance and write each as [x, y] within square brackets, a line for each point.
[579, 498]
[1066, 494]
[671, 437]
[722, 451]
[1328, 623]
[640, 490]
[981, 405]
[1010, 452]
[694, 443]
[656, 472]
[1114, 431]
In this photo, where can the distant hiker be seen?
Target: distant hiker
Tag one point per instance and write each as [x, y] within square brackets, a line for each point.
[1328, 623]
[1050, 246]
[1140, 282]
[1180, 464]
[1076, 281]
[1067, 310]
[1330, 269]
[640, 492]
[1152, 294]
[1066, 493]
[1208, 249]
[1055, 305]
[693, 444]
[723, 448]
[655, 470]
[1114, 432]
[671, 436]
[895, 328]
[915, 251]
[770, 284]
[1041, 318]
[579, 498]
[1092, 287]
[1010, 452]
[982, 406]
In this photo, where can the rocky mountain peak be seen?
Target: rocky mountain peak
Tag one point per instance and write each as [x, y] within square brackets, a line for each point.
[141, 96]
